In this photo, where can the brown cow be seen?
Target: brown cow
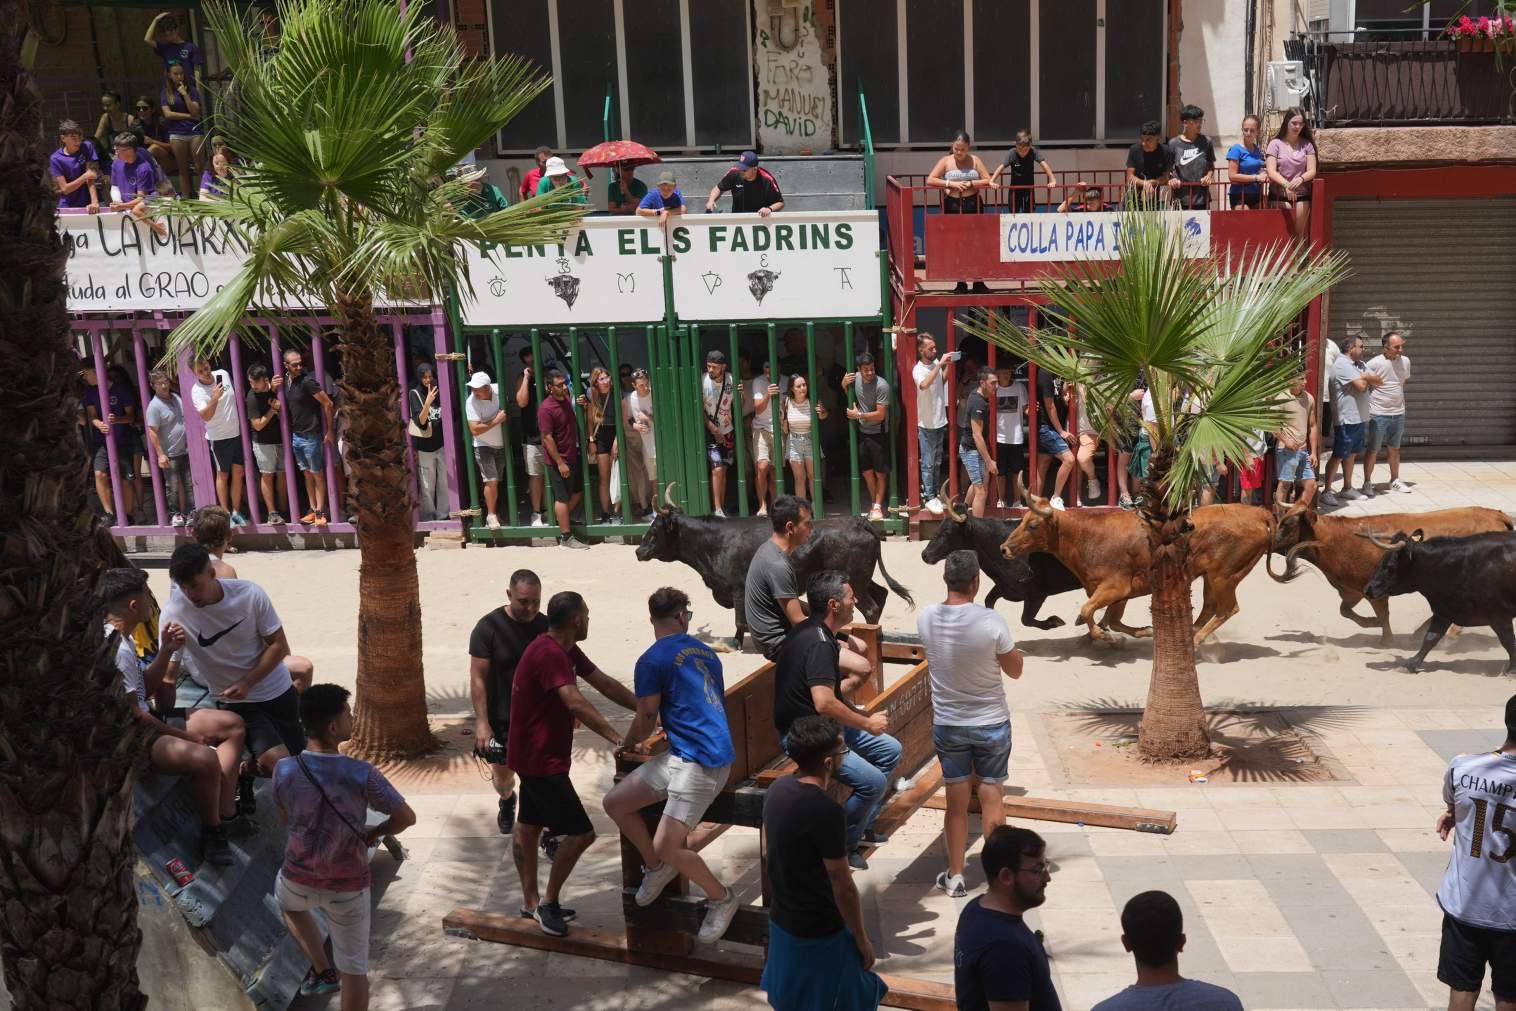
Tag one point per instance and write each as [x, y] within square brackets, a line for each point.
[1110, 555]
[1340, 548]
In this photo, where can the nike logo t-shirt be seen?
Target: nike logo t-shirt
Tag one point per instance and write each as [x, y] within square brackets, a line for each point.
[224, 640]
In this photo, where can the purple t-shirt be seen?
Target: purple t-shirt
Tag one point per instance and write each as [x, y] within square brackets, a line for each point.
[1291, 161]
[175, 101]
[71, 167]
[135, 178]
[120, 398]
[186, 53]
[322, 851]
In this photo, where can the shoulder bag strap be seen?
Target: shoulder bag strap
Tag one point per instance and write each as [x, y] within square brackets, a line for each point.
[306, 769]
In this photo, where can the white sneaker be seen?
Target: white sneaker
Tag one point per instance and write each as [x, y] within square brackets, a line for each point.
[1367, 491]
[934, 506]
[492, 521]
[1350, 495]
[537, 520]
[718, 917]
[762, 512]
[952, 884]
[1400, 486]
[1000, 503]
[654, 881]
[1056, 502]
[1095, 490]
[176, 520]
[1329, 498]
[719, 514]
[876, 514]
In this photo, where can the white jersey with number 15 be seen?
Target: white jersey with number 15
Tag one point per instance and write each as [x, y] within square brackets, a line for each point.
[1481, 877]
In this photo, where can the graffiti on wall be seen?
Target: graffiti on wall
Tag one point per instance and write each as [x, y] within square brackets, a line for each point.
[794, 83]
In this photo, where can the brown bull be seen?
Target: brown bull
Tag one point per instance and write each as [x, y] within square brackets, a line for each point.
[1340, 547]
[1110, 555]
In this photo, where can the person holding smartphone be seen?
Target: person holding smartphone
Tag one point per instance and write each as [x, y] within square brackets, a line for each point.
[216, 403]
[930, 375]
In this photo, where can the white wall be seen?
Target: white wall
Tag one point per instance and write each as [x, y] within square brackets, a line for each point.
[1213, 61]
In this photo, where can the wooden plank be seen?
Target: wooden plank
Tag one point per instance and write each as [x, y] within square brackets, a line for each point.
[1138, 819]
[902, 652]
[704, 834]
[904, 991]
[870, 637]
[900, 807]
[685, 913]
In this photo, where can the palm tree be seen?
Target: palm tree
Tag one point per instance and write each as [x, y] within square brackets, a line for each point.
[70, 747]
[1209, 336]
[346, 128]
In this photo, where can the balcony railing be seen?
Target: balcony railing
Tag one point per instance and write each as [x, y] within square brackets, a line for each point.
[1407, 81]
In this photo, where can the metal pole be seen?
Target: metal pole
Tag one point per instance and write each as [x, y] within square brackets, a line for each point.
[950, 391]
[586, 437]
[460, 371]
[776, 410]
[291, 474]
[244, 433]
[328, 449]
[145, 397]
[849, 401]
[694, 374]
[739, 405]
[497, 355]
[818, 509]
[1033, 407]
[887, 350]
[623, 477]
[441, 334]
[402, 373]
[102, 387]
[540, 382]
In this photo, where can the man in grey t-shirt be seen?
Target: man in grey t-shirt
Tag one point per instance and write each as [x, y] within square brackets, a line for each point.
[1152, 929]
[164, 422]
[1350, 386]
[771, 601]
[871, 405]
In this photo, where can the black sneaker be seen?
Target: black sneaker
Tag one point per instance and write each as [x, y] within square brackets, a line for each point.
[872, 838]
[214, 849]
[856, 862]
[550, 846]
[568, 915]
[550, 919]
[506, 818]
[247, 800]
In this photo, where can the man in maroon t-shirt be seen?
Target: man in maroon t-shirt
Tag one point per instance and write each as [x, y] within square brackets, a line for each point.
[544, 703]
[560, 448]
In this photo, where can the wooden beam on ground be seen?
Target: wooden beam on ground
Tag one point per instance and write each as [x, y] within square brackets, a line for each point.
[704, 834]
[904, 991]
[898, 810]
[1138, 819]
[685, 913]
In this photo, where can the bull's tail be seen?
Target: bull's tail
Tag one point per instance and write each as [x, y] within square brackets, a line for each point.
[902, 591]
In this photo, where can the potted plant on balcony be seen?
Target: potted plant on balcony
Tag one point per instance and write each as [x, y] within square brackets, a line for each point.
[1484, 34]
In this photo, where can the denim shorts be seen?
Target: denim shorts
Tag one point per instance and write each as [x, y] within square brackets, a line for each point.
[1294, 465]
[1385, 430]
[1347, 439]
[973, 751]
[1049, 441]
[974, 464]
[308, 454]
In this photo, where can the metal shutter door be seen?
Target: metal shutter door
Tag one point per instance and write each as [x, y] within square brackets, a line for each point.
[1440, 272]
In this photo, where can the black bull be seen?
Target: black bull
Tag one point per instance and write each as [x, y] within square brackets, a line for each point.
[1031, 579]
[1466, 580]
[721, 550]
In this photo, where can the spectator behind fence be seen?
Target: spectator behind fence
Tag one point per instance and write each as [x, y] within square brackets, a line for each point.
[1387, 411]
[1296, 440]
[664, 201]
[1152, 929]
[1087, 438]
[151, 133]
[601, 403]
[531, 435]
[134, 182]
[1245, 168]
[484, 197]
[870, 410]
[74, 168]
[753, 189]
[556, 176]
[533, 177]
[1083, 197]
[165, 38]
[679, 688]
[930, 374]
[639, 415]
[970, 652]
[1290, 165]
[216, 181]
[114, 119]
[560, 446]
[997, 961]
[1149, 162]
[1010, 429]
[624, 193]
[763, 394]
[974, 442]
[1130, 435]
[312, 428]
[164, 422]
[1053, 438]
[1024, 160]
[799, 447]
[1478, 918]
[960, 174]
[262, 403]
[495, 648]
[209, 749]
[716, 395]
[426, 434]
[819, 953]
[1194, 159]
[324, 798]
[485, 416]
[181, 105]
[120, 405]
[1351, 384]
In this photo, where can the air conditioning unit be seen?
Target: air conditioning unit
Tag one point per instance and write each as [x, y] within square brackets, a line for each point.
[1287, 84]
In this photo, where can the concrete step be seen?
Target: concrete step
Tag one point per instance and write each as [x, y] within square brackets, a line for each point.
[817, 183]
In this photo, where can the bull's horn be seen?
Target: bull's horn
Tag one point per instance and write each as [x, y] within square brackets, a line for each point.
[947, 504]
[1025, 496]
[1289, 572]
[668, 495]
[1382, 545]
[1418, 535]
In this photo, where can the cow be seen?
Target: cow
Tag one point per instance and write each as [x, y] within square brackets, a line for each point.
[720, 550]
[1111, 556]
[1347, 560]
[1031, 580]
[1468, 580]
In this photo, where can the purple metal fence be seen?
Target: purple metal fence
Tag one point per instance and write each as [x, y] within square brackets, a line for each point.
[136, 341]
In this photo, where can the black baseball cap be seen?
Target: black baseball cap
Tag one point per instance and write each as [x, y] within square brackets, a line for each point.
[715, 356]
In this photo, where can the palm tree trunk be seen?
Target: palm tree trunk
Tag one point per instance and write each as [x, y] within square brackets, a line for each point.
[1173, 723]
[390, 714]
[70, 747]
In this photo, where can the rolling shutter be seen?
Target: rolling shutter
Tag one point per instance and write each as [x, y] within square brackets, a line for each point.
[1439, 271]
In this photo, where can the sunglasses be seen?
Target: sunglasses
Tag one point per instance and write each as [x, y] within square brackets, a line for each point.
[639, 374]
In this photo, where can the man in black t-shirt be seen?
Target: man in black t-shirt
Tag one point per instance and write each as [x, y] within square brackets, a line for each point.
[976, 434]
[1194, 159]
[819, 953]
[1023, 160]
[752, 188]
[311, 430]
[494, 649]
[1149, 164]
[997, 960]
[262, 403]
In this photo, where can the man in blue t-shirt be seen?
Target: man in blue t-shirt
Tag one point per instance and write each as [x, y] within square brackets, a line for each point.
[1152, 929]
[996, 957]
[664, 201]
[678, 680]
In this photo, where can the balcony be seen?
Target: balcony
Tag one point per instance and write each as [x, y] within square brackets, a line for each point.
[1397, 81]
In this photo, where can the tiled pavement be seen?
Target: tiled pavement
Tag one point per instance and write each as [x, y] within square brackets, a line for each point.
[1439, 486]
[1295, 896]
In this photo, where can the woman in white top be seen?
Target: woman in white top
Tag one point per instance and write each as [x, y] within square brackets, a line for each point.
[639, 419]
[797, 432]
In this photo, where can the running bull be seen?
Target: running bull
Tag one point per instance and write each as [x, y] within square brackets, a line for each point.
[721, 550]
[1467, 580]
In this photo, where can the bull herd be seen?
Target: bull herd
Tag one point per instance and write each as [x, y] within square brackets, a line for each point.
[1463, 561]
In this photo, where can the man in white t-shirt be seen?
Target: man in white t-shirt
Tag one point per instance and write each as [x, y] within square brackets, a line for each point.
[235, 643]
[1478, 911]
[1387, 411]
[1010, 429]
[484, 414]
[930, 376]
[716, 395]
[215, 401]
[761, 391]
[969, 650]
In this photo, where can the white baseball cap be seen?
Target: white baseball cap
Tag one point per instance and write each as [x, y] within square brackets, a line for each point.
[555, 167]
[479, 380]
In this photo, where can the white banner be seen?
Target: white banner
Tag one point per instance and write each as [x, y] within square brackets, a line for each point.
[606, 272]
[117, 264]
[785, 266]
[1093, 235]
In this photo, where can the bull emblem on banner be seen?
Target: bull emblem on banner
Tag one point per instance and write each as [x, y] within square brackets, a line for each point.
[564, 284]
[761, 282]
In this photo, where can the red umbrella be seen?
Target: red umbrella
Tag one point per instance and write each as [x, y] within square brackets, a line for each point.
[613, 151]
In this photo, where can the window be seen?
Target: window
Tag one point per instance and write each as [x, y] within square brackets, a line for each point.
[719, 38]
[1002, 97]
[521, 27]
[587, 57]
[935, 71]
[1133, 79]
[1066, 70]
[654, 73]
[869, 59]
